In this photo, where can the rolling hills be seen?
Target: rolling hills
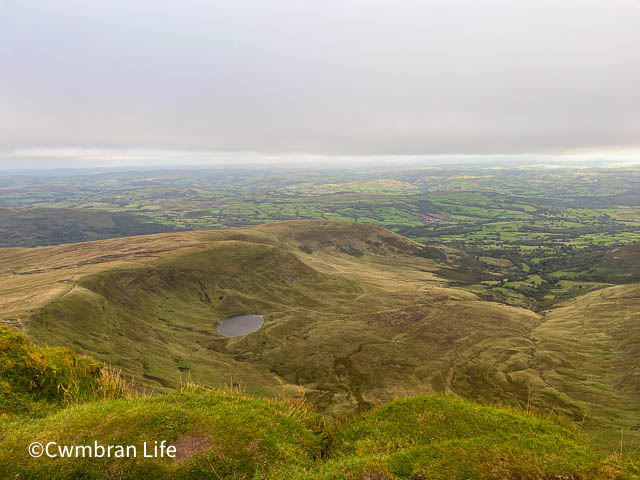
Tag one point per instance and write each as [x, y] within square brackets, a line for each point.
[355, 316]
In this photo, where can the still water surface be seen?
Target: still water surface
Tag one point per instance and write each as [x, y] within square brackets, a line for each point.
[240, 325]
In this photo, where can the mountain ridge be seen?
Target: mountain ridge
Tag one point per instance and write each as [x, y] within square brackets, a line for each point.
[355, 316]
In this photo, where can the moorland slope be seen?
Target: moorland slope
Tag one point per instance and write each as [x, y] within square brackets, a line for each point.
[355, 316]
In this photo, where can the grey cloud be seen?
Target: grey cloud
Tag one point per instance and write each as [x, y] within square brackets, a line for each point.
[326, 77]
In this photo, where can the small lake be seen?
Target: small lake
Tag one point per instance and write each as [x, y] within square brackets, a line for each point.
[240, 325]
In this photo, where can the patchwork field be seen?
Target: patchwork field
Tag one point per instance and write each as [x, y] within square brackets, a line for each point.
[530, 223]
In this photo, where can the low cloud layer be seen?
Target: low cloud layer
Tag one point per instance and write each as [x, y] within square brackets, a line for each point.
[12, 160]
[325, 77]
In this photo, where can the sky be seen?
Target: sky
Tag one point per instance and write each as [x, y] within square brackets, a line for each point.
[86, 82]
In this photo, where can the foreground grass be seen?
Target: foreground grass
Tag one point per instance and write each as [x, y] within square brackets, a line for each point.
[74, 401]
[228, 435]
[216, 435]
[443, 437]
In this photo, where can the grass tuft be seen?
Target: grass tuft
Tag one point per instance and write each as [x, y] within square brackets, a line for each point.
[35, 380]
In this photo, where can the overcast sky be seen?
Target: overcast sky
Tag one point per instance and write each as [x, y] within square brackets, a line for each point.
[349, 77]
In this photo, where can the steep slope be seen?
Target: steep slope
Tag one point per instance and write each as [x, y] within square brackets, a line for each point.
[355, 316]
[33, 277]
[582, 361]
[589, 349]
[157, 322]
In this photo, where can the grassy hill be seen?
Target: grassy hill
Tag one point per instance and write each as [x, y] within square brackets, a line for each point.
[355, 316]
[589, 349]
[444, 438]
[30, 227]
[221, 435]
[365, 315]
[228, 434]
[618, 265]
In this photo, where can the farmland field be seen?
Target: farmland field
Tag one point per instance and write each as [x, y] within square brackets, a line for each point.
[527, 223]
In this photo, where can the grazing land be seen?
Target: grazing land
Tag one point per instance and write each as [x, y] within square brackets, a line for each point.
[538, 229]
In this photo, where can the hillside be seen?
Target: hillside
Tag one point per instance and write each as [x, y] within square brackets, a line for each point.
[365, 315]
[31, 227]
[228, 434]
[355, 316]
[618, 265]
[589, 349]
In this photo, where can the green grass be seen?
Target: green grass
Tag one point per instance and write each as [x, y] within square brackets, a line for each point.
[34, 381]
[440, 437]
[216, 435]
[227, 435]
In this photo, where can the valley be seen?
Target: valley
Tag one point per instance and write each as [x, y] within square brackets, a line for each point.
[354, 316]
